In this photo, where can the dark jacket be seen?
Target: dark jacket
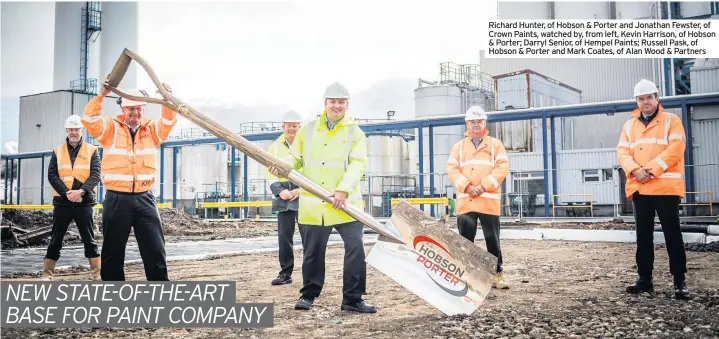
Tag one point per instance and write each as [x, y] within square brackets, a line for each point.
[279, 204]
[59, 186]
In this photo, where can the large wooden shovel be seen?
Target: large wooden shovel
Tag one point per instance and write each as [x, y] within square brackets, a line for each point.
[420, 253]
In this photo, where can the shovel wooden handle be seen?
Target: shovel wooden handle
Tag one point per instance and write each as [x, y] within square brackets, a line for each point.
[237, 141]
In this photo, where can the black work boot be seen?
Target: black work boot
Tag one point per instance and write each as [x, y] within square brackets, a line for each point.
[305, 303]
[358, 306]
[680, 289]
[643, 284]
[282, 279]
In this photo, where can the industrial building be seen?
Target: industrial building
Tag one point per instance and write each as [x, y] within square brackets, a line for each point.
[560, 120]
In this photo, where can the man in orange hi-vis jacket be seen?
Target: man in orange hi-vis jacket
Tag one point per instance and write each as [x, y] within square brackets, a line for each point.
[129, 168]
[477, 167]
[651, 152]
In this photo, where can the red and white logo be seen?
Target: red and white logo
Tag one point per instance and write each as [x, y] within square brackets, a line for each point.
[440, 266]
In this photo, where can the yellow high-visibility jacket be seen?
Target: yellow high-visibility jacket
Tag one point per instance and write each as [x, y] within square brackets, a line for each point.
[128, 165]
[334, 159]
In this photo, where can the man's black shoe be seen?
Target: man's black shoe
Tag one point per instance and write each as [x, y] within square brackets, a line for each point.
[642, 285]
[304, 303]
[680, 289]
[358, 306]
[282, 279]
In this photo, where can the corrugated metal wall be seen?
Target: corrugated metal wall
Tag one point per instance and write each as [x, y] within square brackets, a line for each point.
[571, 165]
[598, 79]
[705, 79]
[705, 128]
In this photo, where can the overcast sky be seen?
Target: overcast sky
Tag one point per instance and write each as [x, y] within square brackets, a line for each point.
[249, 61]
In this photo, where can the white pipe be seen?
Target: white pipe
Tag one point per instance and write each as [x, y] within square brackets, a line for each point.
[661, 64]
[672, 82]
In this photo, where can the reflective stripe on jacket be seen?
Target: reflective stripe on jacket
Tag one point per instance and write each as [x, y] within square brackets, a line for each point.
[487, 165]
[280, 150]
[334, 159]
[69, 172]
[659, 148]
[128, 164]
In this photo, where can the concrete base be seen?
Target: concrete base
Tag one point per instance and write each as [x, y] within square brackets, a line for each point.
[711, 238]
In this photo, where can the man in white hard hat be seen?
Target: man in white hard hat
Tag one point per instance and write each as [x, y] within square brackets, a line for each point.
[477, 166]
[129, 169]
[651, 152]
[285, 196]
[332, 153]
[73, 173]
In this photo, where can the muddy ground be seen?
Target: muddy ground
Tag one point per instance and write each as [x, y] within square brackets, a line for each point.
[178, 226]
[558, 290]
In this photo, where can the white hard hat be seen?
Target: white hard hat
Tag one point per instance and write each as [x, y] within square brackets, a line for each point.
[475, 113]
[645, 87]
[292, 116]
[73, 121]
[134, 92]
[337, 91]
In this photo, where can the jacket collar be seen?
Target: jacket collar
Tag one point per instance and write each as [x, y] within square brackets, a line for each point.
[347, 120]
[121, 119]
[485, 132]
[67, 142]
[638, 111]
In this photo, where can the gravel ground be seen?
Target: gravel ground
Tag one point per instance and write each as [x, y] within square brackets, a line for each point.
[558, 290]
[178, 226]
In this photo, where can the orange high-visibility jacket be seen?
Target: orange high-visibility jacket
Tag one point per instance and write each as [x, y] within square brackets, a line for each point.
[487, 165]
[69, 172]
[128, 165]
[659, 148]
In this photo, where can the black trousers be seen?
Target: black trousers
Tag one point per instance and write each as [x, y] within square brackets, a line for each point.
[667, 208]
[122, 211]
[61, 217]
[467, 225]
[354, 275]
[285, 233]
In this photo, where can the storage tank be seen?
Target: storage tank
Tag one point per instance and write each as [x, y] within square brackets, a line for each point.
[201, 168]
[529, 89]
[386, 156]
[439, 100]
[258, 187]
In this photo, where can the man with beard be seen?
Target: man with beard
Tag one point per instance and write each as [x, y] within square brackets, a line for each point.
[73, 173]
[477, 166]
[129, 168]
[651, 152]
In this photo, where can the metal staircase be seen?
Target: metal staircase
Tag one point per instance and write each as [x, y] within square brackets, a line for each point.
[91, 22]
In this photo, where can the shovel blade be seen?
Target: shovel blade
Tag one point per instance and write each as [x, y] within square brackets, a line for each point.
[438, 265]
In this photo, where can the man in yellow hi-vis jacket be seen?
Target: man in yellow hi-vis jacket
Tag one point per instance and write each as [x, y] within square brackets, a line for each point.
[332, 153]
[285, 196]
